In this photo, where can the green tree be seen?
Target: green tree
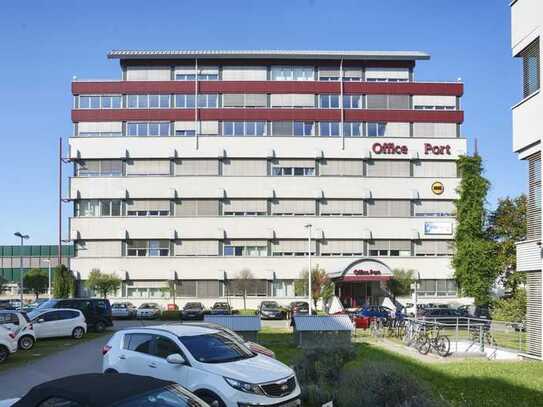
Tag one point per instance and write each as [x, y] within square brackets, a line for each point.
[321, 285]
[36, 281]
[474, 260]
[506, 226]
[400, 284]
[63, 282]
[244, 280]
[103, 283]
[511, 309]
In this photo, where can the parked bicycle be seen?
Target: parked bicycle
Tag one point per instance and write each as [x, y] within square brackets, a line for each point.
[433, 339]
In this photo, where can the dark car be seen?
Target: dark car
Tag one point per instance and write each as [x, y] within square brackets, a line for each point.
[270, 310]
[221, 308]
[374, 311]
[7, 305]
[193, 311]
[123, 390]
[299, 308]
[97, 311]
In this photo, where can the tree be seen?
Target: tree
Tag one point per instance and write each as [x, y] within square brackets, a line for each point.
[506, 226]
[511, 309]
[103, 283]
[474, 260]
[36, 281]
[321, 285]
[244, 280]
[63, 282]
[400, 284]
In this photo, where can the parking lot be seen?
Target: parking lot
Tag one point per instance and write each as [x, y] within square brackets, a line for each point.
[83, 358]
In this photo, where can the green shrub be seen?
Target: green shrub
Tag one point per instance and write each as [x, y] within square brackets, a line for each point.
[170, 316]
[511, 309]
[318, 371]
[382, 384]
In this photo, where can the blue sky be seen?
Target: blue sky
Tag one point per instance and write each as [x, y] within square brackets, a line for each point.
[45, 43]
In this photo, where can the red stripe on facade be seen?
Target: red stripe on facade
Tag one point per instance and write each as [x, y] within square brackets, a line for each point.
[167, 87]
[268, 114]
[364, 278]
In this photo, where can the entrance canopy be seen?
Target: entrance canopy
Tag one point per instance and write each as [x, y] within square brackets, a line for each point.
[364, 270]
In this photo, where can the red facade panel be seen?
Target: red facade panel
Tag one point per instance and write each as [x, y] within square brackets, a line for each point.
[268, 114]
[167, 87]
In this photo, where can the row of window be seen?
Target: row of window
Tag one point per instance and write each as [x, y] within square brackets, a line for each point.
[323, 101]
[264, 207]
[264, 73]
[261, 248]
[263, 167]
[266, 128]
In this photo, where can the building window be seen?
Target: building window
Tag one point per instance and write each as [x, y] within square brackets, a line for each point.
[148, 101]
[352, 101]
[533, 210]
[328, 129]
[143, 129]
[303, 128]
[244, 128]
[148, 248]
[184, 101]
[434, 208]
[389, 248]
[437, 288]
[208, 101]
[530, 68]
[99, 207]
[208, 73]
[100, 168]
[293, 171]
[252, 288]
[292, 73]
[152, 207]
[329, 101]
[434, 248]
[376, 129]
[393, 102]
[99, 102]
[242, 249]
[352, 129]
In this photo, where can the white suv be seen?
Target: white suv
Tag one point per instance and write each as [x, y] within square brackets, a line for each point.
[218, 369]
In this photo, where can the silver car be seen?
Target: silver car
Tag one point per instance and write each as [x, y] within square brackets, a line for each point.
[148, 310]
[123, 310]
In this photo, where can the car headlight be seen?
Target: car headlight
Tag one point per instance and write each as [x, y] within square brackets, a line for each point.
[244, 386]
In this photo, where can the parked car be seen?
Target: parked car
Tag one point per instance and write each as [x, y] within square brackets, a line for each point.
[10, 304]
[8, 343]
[270, 310]
[123, 390]
[34, 305]
[148, 310]
[209, 363]
[19, 323]
[52, 323]
[255, 347]
[374, 311]
[299, 308]
[123, 310]
[475, 311]
[97, 311]
[221, 308]
[193, 310]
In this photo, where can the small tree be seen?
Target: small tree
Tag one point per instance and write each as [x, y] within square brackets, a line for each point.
[63, 282]
[36, 281]
[511, 309]
[103, 283]
[400, 284]
[244, 281]
[321, 285]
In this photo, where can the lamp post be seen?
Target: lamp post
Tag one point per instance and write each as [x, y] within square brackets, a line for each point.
[22, 237]
[308, 227]
[48, 261]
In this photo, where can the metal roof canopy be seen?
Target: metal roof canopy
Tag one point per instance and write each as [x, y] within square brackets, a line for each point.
[236, 323]
[271, 54]
[313, 323]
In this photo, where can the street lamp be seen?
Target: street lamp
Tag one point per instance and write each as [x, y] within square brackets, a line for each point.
[48, 261]
[22, 237]
[308, 227]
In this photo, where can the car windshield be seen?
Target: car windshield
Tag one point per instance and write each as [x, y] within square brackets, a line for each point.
[118, 306]
[148, 306]
[193, 305]
[33, 314]
[215, 348]
[220, 305]
[171, 396]
[48, 304]
[270, 305]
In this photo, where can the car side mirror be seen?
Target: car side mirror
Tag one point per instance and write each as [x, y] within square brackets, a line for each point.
[175, 359]
[40, 320]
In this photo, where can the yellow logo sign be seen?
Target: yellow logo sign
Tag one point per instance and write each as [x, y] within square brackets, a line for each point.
[438, 188]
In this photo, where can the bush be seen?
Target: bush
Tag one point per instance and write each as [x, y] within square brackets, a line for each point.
[170, 316]
[384, 385]
[318, 371]
[511, 309]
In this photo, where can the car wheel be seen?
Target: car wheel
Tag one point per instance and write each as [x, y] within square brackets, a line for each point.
[100, 327]
[111, 371]
[4, 353]
[78, 333]
[211, 398]
[26, 342]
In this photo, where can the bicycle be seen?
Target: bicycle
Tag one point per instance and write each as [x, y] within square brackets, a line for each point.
[433, 339]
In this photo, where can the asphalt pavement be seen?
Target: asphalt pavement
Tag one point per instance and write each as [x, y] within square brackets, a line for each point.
[83, 358]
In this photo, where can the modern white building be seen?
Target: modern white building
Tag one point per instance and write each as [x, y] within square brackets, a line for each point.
[526, 29]
[196, 165]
